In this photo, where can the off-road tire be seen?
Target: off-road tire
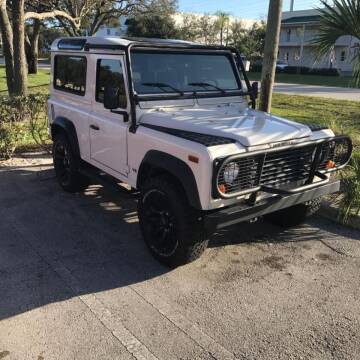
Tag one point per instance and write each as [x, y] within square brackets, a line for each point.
[67, 165]
[186, 239]
[294, 215]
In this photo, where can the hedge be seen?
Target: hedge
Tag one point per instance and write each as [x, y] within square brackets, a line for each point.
[303, 70]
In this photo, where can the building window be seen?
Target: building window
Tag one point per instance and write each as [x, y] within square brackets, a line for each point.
[343, 55]
[70, 74]
[296, 55]
[110, 72]
[288, 35]
[286, 56]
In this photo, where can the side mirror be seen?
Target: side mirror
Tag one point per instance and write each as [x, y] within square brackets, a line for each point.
[111, 97]
[255, 89]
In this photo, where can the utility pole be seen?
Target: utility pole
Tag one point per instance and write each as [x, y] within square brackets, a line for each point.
[292, 5]
[270, 54]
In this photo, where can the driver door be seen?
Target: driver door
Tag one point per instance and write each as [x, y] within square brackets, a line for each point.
[108, 130]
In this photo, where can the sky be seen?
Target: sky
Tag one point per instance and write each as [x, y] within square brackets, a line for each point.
[247, 9]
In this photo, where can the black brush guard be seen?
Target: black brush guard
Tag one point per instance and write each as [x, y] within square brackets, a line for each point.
[317, 183]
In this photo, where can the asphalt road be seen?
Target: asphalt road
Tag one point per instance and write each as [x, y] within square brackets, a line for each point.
[329, 92]
[76, 282]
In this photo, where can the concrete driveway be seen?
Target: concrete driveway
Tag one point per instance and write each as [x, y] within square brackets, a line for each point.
[329, 92]
[76, 282]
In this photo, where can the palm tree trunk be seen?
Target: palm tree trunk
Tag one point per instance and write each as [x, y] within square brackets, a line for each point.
[7, 38]
[20, 70]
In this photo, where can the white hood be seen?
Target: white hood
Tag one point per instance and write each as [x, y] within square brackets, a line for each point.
[246, 126]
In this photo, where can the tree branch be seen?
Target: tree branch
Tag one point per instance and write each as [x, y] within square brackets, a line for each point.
[52, 14]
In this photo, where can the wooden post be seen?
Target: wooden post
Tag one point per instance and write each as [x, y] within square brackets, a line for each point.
[270, 54]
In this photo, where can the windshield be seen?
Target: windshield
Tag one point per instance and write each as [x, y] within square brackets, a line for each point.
[171, 72]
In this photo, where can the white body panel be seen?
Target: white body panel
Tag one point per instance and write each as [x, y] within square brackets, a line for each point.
[249, 127]
[108, 144]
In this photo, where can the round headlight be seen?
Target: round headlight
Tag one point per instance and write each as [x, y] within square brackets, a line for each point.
[231, 172]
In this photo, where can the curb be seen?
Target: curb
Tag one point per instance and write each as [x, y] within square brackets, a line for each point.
[332, 213]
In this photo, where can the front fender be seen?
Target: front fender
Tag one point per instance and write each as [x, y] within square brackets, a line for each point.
[176, 167]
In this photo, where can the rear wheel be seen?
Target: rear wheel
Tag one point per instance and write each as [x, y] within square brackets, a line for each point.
[294, 215]
[171, 228]
[66, 164]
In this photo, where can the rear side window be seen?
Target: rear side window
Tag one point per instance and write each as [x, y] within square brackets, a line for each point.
[110, 72]
[70, 74]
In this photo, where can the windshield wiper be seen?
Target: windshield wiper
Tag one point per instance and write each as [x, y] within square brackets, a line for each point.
[162, 85]
[205, 84]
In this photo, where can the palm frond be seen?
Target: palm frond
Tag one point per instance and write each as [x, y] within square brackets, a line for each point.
[341, 19]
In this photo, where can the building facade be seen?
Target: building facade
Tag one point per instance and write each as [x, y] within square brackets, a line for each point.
[298, 29]
[119, 30]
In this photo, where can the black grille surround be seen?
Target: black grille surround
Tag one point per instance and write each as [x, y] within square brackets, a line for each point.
[293, 166]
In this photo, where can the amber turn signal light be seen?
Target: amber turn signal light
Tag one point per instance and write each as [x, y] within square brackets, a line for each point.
[222, 188]
[193, 159]
[330, 164]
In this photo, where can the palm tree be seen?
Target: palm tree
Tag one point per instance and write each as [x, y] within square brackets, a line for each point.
[222, 22]
[343, 18]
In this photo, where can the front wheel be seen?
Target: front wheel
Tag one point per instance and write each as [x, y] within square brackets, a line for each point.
[294, 215]
[171, 228]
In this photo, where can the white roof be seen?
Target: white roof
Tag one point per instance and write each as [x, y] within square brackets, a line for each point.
[108, 41]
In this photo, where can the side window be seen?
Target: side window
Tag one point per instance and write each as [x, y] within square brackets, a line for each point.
[343, 55]
[70, 74]
[110, 72]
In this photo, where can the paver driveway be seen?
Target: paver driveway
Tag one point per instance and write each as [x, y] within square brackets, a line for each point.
[76, 282]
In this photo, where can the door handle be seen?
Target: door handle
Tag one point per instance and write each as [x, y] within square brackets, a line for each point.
[94, 127]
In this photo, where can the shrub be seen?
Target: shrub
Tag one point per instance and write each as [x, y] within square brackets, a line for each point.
[38, 120]
[350, 203]
[11, 134]
[21, 118]
[256, 67]
[303, 70]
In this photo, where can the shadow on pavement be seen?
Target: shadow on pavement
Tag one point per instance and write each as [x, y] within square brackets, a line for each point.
[55, 246]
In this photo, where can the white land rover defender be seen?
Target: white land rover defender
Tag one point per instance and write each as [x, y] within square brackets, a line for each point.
[177, 121]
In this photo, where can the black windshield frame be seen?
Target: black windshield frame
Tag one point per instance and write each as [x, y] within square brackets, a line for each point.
[192, 94]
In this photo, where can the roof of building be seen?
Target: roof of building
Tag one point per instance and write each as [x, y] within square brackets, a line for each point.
[97, 42]
[301, 19]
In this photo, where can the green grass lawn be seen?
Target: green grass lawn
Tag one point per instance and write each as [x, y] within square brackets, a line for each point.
[341, 116]
[342, 81]
[37, 83]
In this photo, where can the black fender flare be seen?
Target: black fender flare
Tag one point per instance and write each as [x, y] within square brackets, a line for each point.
[174, 166]
[67, 126]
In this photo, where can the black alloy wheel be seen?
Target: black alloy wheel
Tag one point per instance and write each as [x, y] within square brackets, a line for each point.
[62, 163]
[159, 223]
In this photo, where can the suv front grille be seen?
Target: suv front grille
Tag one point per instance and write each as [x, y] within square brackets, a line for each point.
[287, 166]
[279, 168]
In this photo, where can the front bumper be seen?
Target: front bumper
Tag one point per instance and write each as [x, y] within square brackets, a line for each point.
[284, 199]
